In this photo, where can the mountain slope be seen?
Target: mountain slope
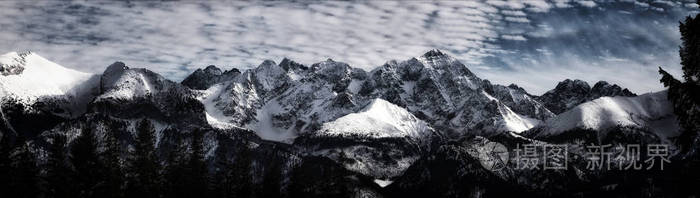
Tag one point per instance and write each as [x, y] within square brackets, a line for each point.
[652, 112]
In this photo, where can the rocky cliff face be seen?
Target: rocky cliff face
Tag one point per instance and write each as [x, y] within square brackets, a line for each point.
[569, 93]
[203, 79]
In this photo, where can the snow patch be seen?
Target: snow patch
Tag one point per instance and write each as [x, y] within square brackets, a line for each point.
[128, 84]
[378, 119]
[214, 116]
[408, 87]
[264, 126]
[355, 86]
[516, 122]
[513, 121]
[383, 183]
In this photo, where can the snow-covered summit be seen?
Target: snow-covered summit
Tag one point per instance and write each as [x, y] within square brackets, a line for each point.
[121, 82]
[39, 77]
[132, 93]
[378, 119]
[124, 83]
[31, 77]
[650, 111]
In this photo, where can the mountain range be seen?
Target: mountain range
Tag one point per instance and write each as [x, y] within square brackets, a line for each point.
[382, 130]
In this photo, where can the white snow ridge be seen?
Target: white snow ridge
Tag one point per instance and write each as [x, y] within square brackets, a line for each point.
[42, 79]
[378, 120]
[651, 111]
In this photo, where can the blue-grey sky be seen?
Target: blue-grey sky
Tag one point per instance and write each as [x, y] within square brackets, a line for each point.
[534, 44]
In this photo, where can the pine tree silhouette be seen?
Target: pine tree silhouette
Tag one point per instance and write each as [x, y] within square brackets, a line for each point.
[144, 166]
[685, 96]
[240, 175]
[220, 182]
[196, 167]
[5, 165]
[59, 174]
[272, 180]
[24, 174]
[114, 178]
[89, 172]
[175, 178]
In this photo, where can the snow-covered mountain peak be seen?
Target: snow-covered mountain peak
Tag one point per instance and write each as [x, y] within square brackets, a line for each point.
[30, 79]
[330, 66]
[268, 76]
[268, 68]
[443, 63]
[121, 82]
[134, 93]
[650, 111]
[378, 119]
[33, 76]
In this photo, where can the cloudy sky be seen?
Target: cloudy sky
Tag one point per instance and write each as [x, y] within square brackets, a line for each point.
[534, 44]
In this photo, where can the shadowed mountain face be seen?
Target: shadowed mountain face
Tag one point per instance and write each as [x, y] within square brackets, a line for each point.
[570, 93]
[203, 79]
